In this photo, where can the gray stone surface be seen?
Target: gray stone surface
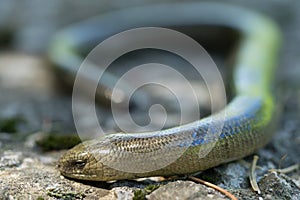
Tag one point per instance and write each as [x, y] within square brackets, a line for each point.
[279, 186]
[184, 190]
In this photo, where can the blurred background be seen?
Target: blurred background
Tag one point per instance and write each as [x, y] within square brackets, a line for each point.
[27, 28]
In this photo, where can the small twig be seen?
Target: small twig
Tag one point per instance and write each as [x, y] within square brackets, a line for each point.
[248, 165]
[208, 184]
[286, 170]
[252, 175]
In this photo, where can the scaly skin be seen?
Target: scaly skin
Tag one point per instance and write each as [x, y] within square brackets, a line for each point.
[189, 148]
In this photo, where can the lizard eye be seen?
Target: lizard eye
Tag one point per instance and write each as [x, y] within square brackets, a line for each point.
[79, 164]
